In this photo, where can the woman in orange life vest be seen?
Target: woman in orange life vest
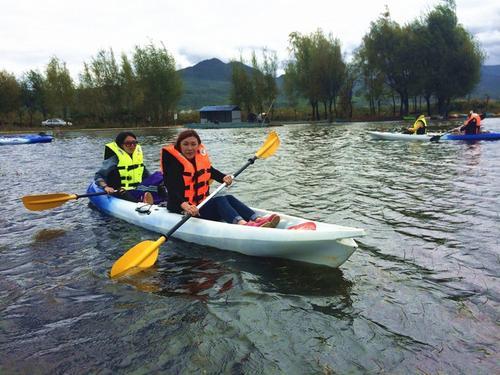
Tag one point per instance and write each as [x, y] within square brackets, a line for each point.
[123, 170]
[472, 125]
[187, 171]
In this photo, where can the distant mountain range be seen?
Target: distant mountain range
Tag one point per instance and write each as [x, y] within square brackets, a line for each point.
[489, 83]
[209, 83]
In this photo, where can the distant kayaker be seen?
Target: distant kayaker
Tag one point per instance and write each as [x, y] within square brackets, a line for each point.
[123, 169]
[419, 126]
[472, 125]
[187, 172]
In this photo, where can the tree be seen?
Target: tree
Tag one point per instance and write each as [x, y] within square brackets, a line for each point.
[242, 91]
[33, 87]
[158, 80]
[106, 83]
[60, 88]
[455, 60]
[387, 47]
[132, 95]
[316, 70]
[254, 91]
[10, 94]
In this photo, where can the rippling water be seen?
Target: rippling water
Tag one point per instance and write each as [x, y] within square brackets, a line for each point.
[420, 295]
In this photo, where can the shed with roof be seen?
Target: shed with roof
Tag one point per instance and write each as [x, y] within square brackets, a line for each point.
[220, 113]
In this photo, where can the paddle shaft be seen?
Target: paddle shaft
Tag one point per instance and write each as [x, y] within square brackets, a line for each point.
[188, 216]
[78, 196]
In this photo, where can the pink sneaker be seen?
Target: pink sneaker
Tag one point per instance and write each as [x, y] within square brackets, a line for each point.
[261, 223]
[272, 219]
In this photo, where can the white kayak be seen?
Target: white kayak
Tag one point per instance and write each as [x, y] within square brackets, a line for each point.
[401, 137]
[329, 244]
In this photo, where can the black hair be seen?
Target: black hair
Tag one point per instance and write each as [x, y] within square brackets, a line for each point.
[186, 134]
[120, 138]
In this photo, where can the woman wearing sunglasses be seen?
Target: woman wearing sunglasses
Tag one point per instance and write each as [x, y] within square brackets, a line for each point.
[123, 169]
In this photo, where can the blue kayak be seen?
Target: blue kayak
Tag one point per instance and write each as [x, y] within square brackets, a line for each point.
[472, 137]
[21, 139]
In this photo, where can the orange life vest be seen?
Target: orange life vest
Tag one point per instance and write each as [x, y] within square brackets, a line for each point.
[475, 116]
[196, 182]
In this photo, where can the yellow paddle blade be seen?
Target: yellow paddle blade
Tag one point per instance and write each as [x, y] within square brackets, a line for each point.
[46, 201]
[269, 147]
[142, 255]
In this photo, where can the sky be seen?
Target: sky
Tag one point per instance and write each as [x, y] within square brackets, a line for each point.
[33, 31]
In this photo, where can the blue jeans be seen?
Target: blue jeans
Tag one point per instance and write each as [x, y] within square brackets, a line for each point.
[227, 208]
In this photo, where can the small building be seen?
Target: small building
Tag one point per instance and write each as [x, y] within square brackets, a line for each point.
[220, 113]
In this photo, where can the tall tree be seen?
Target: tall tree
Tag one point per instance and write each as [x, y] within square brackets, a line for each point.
[387, 48]
[159, 81]
[34, 93]
[302, 70]
[10, 94]
[242, 91]
[60, 88]
[455, 60]
[318, 69]
[132, 95]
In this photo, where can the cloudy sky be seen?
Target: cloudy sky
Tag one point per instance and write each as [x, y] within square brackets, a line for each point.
[31, 31]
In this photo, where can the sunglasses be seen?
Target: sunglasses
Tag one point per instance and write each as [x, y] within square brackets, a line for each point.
[133, 143]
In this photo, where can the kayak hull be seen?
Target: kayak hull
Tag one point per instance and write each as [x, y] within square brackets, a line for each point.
[401, 137]
[330, 245]
[472, 137]
[426, 137]
[24, 139]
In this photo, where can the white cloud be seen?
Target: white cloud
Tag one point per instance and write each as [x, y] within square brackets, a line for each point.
[31, 31]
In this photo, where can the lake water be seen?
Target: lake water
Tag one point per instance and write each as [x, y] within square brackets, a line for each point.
[420, 295]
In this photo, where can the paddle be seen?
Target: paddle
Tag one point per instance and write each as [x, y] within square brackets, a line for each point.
[436, 138]
[145, 253]
[46, 201]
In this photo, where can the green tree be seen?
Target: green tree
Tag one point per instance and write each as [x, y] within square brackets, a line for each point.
[255, 91]
[242, 90]
[132, 96]
[388, 49]
[455, 58]
[158, 80]
[60, 88]
[34, 93]
[301, 69]
[317, 69]
[373, 79]
[10, 94]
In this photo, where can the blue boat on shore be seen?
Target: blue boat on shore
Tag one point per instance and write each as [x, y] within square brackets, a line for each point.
[20, 139]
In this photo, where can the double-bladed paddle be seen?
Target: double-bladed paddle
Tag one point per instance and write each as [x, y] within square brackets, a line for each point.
[145, 253]
[45, 201]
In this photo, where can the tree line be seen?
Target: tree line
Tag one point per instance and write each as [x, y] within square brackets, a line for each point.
[143, 89]
[432, 60]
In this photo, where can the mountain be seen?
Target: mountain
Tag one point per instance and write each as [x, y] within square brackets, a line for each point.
[209, 83]
[489, 83]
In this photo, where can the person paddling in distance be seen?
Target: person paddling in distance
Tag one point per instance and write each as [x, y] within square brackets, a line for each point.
[419, 126]
[123, 169]
[472, 125]
[187, 172]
